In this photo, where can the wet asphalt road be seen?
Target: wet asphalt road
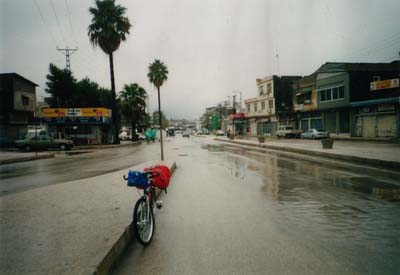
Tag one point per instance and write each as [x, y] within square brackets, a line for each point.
[22, 176]
[229, 211]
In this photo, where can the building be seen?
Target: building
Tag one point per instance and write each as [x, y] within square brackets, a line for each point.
[272, 106]
[216, 117]
[17, 105]
[305, 104]
[83, 125]
[359, 99]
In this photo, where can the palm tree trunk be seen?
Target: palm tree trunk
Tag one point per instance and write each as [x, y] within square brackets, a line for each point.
[114, 102]
[159, 119]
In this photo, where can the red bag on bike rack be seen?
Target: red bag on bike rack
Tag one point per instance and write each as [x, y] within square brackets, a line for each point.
[161, 175]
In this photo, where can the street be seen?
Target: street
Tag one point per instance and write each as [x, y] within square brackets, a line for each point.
[229, 211]
[32, 174]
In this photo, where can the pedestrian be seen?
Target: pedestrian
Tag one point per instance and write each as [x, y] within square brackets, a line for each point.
[228, 133]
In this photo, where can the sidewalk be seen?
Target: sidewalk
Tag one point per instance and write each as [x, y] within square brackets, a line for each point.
[69, 228]
[370, 153]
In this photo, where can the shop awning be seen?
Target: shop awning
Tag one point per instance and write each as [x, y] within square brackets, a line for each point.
[375, 101]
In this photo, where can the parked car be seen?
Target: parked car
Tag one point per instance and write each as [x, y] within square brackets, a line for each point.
[43, 142]
[288, 131]
[206, 132]
[185, 134]
[220, 133]
[315, 133]
[6, 142]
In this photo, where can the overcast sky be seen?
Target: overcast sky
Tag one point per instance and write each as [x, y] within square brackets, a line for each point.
[211, 47]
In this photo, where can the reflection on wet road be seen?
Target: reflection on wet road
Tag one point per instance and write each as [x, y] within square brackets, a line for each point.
[339, 210]
[230, 211]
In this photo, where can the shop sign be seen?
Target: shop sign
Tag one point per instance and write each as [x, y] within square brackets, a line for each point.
[76, 112]
[55, 112]
[384, 84]
[75, 120]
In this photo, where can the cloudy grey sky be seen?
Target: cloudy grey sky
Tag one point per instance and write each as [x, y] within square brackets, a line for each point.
[211, 47]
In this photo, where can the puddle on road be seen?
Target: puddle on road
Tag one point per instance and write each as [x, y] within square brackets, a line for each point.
[276, 172]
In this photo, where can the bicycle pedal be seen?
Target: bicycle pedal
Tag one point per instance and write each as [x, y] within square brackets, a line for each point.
[159, 204]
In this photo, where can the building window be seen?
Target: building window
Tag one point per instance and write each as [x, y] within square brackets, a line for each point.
[248, 108]
[263, 105]
[269, 88]
[25, 100]
[341, 92]
[271, 104]
[255, 107]
[331, 94]
[334, 93]
[261, 89]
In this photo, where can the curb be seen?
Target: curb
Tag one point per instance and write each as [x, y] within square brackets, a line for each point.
[118, 248]
[22, 159]
[360, 160]
[85, 147]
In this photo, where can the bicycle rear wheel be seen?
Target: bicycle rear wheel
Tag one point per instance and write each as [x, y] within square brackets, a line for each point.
[143, 221]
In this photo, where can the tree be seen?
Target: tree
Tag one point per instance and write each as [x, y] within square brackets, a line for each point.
[61, 85]
[133, 103]
[107, 30]
[158, 73]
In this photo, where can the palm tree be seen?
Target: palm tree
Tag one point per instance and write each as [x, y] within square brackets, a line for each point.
[133, 104]
[107, 30]
[157, 75]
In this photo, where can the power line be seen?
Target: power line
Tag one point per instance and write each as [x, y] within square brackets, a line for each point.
[44, 22]
[70, 22]
[58, 22]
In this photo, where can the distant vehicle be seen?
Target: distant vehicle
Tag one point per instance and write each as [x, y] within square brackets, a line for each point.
[288, 131]
[220, 133]
[43, 142]
[185, 134]
[124, 135]
[314, 134]
[206, 132]
[6, 142]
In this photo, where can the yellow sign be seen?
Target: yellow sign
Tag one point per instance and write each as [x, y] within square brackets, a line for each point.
[55, 112]
[76, 112]
[94, 112]
[384, 84]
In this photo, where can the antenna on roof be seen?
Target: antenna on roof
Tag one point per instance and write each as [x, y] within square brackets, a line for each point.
[277, 60]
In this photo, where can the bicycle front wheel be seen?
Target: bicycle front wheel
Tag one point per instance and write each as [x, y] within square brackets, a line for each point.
[143, 221]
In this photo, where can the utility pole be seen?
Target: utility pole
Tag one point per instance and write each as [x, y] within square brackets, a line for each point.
[277, 60]
[67, 52]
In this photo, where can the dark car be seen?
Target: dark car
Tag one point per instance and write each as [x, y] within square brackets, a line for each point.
[43, 142]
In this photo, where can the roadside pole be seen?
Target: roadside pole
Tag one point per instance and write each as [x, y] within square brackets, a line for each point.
[159, 120]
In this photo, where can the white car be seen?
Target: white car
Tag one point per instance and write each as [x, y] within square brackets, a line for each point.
[314, 134]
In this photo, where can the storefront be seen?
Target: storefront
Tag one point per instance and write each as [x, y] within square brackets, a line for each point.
[377, 118]
[238, 124]
[82, 125]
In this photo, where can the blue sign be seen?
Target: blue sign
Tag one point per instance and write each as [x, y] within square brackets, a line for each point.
[75, 120]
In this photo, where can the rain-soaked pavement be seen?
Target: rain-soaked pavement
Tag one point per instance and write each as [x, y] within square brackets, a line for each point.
[229, 211]
[17, 177]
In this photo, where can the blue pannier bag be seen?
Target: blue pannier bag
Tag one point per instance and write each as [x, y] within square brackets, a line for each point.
[137, 179]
